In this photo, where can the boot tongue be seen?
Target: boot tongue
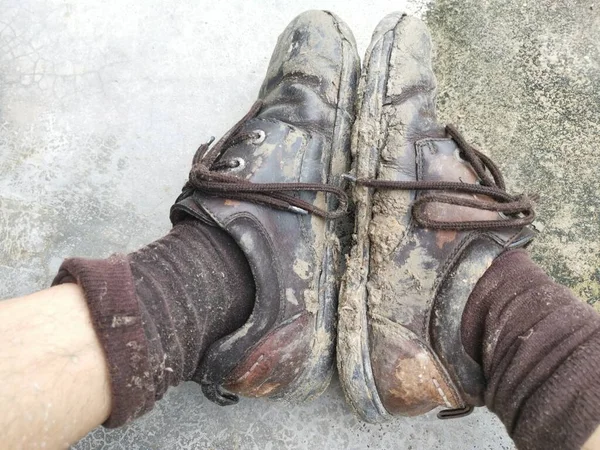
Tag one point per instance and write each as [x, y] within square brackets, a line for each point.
[441, 161]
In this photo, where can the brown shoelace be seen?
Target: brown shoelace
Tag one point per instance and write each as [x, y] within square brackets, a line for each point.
[206, 177]
[516, 210]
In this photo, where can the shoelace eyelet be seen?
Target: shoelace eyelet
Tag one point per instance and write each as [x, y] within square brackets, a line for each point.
[260, 137]
[458, 156]
[237, 164]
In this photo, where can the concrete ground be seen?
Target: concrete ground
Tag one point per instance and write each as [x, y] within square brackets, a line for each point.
[102, 105]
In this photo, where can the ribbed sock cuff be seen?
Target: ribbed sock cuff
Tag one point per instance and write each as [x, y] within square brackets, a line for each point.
[539, 347]
[117, 318]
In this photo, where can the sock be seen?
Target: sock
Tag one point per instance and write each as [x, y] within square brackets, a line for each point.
[539, 347]
[157, 310]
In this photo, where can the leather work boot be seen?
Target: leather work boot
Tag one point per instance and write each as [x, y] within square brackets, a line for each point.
[273, 182]
[432, 213]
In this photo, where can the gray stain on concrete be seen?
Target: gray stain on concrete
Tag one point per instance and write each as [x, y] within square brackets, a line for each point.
[522, 80]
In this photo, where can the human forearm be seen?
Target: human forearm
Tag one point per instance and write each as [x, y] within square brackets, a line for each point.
[55, 386]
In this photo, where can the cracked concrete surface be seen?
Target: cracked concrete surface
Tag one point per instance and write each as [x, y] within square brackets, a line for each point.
[103, 103]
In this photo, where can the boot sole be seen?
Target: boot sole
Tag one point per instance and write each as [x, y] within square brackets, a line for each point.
[354, 359]
[319, 369]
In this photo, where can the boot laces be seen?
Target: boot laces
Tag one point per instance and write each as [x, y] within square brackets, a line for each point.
[206, 176]
[514, 210]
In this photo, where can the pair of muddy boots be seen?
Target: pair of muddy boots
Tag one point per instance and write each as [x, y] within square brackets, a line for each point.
[427, 215]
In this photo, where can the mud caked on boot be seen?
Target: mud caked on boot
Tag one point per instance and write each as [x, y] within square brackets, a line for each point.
[273, 182]
[432, 213]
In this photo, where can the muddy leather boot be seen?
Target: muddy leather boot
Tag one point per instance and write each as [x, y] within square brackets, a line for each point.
[273, 183]
[432, 214]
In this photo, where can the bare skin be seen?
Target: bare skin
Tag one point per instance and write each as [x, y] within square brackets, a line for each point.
[55, 385]
[593, 443]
